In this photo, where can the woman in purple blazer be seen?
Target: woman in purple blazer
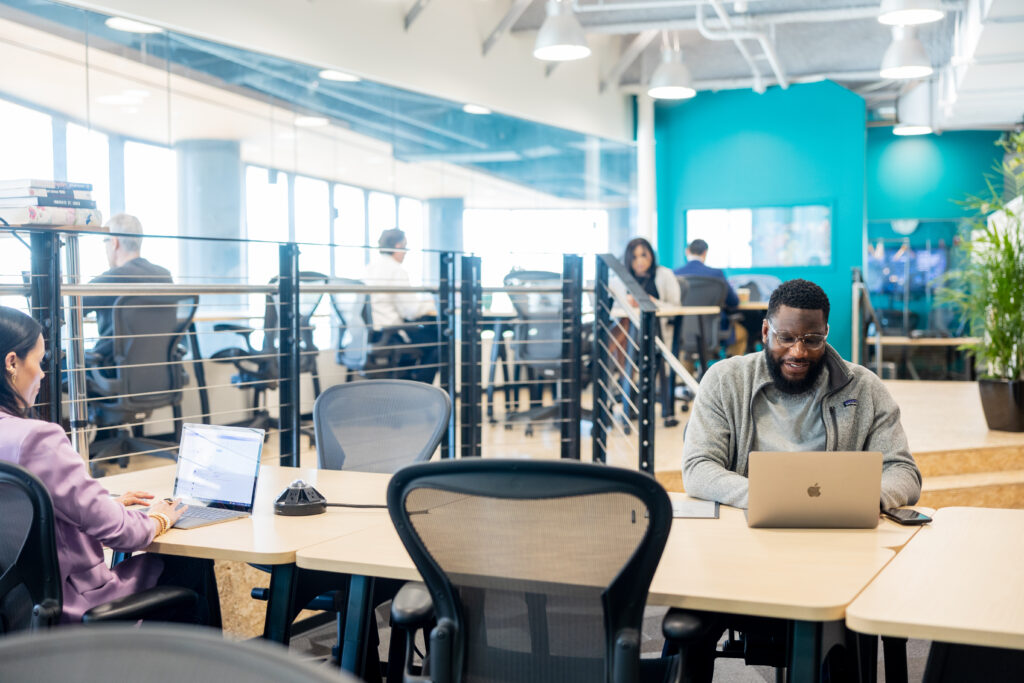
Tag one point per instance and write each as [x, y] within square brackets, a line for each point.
[86, 516]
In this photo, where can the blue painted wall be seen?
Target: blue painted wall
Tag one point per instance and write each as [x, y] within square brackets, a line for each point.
[803, 145]
[923, 176]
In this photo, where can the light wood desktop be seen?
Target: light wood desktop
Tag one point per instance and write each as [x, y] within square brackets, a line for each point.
[266, 538]
[808, 575]
[957, 581]
[753, 306]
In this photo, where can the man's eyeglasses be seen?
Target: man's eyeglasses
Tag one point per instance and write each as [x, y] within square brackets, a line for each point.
[811, 342]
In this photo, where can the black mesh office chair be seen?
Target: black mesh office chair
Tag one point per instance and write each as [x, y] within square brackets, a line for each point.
[701, 334]
[147, 374]
[362, 350]
[30, 587]
[158, 654]
[536, 341]
[538, 570]
[257, 367]
[371, 426]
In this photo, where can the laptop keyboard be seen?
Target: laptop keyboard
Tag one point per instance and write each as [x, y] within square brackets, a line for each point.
[197, 515]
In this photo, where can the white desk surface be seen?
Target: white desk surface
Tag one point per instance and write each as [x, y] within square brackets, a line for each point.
[753, 306]
[709, 564]
[264, 537]
[957, 581]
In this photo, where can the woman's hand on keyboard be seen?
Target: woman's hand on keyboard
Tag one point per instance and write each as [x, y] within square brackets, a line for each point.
[172, 508]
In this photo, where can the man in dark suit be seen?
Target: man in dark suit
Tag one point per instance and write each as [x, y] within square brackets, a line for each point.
[696, 254]
[126, 266]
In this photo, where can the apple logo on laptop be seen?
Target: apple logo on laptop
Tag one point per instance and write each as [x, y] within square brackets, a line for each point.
[814, 491]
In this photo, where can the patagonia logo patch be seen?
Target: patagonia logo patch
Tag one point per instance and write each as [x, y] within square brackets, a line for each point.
[850, 402]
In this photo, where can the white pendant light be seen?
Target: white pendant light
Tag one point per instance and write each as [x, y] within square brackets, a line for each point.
[671, 80]
[561, 38]
[914, 111]
[905, 57]
[910, 12]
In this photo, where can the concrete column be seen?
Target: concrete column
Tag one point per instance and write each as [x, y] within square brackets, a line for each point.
[444, 230]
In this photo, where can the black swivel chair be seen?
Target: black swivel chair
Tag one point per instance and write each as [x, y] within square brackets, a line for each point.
[701, 334]
[30, 586]
[536, 341]
[257, 367]
[147, 373]
[538, 570]
[159, 654]
[364, 351]
[371, 426]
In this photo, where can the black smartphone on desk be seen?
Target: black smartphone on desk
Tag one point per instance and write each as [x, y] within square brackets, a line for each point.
[906, 517]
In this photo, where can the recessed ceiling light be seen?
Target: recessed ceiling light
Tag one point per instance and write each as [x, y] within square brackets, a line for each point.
[910, 12]
[333, 75]
[478, 109]
[311, 121]
[911, 130]
[131, 26]
[137, 93]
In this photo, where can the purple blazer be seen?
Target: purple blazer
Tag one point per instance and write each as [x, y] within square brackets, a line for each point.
[86, 518]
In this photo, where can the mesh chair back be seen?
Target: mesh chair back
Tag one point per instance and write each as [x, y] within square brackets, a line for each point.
[538, 334]
[538, 570]
[308, 303]
[356, 323]
[153, 653]
[30, 592]
[148, 331]
[702, 291]
[379, 425]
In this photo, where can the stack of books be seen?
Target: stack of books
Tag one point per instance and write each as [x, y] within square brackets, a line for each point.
[47, 202]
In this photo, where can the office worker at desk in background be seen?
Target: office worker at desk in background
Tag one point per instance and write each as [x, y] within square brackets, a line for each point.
[657, 281]
[696, 254]
[415, 315]
[797, 394]
[126, 266]
[86, 517]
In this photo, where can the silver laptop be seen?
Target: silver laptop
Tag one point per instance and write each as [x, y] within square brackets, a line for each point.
[831, 490]
[217, 470]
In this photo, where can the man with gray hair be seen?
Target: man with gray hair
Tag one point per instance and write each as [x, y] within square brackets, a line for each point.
[124, 244]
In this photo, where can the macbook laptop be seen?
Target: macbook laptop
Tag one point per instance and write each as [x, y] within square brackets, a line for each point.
[217, 470]
[837, 489]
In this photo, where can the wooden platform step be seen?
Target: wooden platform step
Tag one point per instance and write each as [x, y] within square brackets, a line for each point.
[975, 460]
[1003, 489]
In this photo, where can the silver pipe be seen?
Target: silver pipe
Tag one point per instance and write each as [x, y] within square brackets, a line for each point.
[728, 34]
[855, 328]
[310, 288]
[156, 288]
[14, 290]
[75, 350]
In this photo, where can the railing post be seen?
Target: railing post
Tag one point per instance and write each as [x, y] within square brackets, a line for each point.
[46, 308]
[572, 362]
[470, 392]
[648, 366]
[76, 352]
[289, 410]
[601, 375]
[446, 340]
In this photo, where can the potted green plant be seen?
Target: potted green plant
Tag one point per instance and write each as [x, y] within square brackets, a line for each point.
[987, 289]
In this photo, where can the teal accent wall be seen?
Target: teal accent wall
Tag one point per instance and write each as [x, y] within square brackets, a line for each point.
[735, 149]
[923, 176]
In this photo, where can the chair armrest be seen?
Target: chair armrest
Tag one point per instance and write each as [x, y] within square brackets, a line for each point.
[150, 604]
[681, 626]
[242, 330]
[412, 608]
[45, 614]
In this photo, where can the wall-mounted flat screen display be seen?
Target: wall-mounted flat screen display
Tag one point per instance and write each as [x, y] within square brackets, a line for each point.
[764, 237]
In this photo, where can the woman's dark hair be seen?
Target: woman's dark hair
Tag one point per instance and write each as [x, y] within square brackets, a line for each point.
[18, 333]
[628, 258]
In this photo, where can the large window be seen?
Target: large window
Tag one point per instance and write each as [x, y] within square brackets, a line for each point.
[501, 237]
[766, 237]
[410, 221]
[313, 224]
[89, 162]
[26, 141]
[350, 231]
[151, 195]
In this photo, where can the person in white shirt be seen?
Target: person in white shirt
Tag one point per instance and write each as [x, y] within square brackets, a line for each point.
[415, 315]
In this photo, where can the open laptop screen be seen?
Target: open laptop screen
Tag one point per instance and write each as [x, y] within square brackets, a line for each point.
[218, 465]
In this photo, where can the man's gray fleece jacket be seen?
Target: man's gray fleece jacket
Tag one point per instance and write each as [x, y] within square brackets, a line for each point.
[858, 412]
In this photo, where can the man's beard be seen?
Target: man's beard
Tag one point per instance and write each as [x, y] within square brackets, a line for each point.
[787, 386]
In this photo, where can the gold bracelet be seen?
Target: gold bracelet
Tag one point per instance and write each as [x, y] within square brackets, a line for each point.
[163, 521]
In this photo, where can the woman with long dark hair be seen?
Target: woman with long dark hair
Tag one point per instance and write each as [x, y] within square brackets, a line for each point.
[659, 282]
[86, 517]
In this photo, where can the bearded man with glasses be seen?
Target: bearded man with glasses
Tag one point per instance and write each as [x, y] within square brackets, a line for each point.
[796, 395]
